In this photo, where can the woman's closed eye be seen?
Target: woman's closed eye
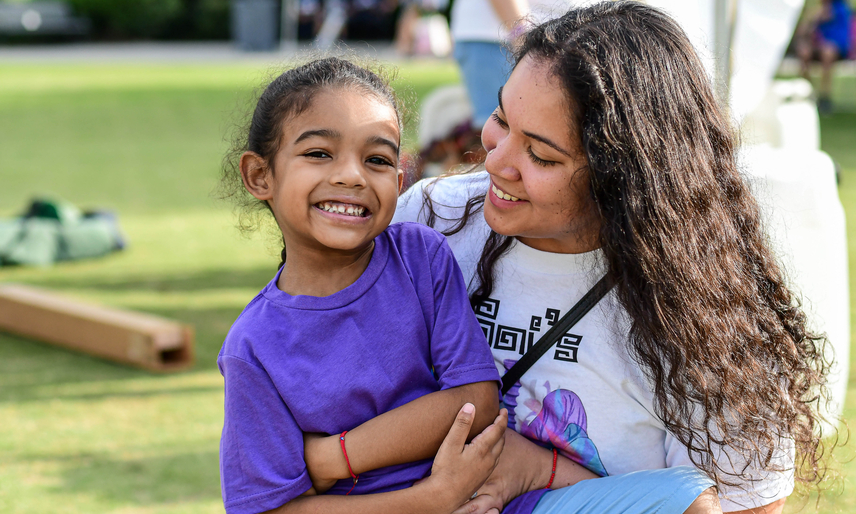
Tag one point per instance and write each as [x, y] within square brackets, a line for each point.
[537, 160]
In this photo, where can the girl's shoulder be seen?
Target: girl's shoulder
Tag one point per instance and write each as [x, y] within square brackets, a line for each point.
[252, 324]
[410, 230]
[414, 241]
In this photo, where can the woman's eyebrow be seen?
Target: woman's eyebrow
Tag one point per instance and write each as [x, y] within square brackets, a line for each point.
[535, 136]
[547, 142]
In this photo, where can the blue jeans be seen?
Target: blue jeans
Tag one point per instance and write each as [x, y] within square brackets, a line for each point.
[485, 67]
[659, 491]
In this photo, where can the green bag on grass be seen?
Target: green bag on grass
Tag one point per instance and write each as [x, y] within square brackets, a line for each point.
[52, 231]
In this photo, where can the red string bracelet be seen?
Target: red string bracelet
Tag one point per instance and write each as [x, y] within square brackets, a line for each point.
[552, 473]
[357, 477]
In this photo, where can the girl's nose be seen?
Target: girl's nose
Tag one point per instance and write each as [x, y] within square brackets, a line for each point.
[349, 174]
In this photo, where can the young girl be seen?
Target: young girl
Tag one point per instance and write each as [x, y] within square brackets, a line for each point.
[361, 318]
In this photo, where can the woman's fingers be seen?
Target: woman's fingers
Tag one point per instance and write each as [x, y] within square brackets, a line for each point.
[481, 504]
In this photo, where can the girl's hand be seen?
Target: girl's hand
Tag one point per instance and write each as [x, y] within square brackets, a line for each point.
[459, 468]
[323, 454]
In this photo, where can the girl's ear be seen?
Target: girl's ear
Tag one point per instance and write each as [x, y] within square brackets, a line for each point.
[256, 176]
[400, 180]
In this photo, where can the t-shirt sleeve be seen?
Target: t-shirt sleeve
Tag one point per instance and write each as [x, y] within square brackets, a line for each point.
[459, 350]
[261, 449]
[410, 204]
[760, 488]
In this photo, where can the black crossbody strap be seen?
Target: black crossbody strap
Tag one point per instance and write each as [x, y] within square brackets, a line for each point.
[589, 300]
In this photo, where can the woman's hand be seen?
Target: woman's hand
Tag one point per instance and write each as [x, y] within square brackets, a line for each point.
[523, 467]
[459, 468]
[511, 478]
[324, 460]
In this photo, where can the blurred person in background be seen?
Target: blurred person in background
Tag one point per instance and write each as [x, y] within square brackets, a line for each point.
[372, 20]
[826, 37]
[310, 18]
[480, 31]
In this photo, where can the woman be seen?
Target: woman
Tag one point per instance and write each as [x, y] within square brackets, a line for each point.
[609, 156]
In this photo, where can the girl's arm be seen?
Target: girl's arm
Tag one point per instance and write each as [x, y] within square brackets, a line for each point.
[459, 469]
[411, 432]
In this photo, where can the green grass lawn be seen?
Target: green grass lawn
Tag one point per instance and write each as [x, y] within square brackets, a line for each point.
[82, 435]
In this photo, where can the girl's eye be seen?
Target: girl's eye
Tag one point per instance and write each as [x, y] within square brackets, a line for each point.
[537, 160]
[317, 154]
[499, 121]
[380, 161]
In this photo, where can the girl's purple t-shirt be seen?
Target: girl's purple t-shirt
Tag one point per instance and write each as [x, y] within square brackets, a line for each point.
[295, 364]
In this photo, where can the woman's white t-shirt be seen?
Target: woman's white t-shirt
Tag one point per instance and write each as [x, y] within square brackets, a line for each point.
[585, 396]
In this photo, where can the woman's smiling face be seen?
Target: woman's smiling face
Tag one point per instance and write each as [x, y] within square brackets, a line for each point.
[539, 190]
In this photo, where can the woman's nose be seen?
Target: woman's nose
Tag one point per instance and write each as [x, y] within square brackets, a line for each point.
[500, 161]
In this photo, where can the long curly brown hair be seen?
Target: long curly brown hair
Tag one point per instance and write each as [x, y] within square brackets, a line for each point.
[721, 337]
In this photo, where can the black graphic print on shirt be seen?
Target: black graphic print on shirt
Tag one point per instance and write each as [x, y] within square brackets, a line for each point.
[520, 340]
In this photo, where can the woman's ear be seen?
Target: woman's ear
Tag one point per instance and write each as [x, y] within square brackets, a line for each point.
[257, 176]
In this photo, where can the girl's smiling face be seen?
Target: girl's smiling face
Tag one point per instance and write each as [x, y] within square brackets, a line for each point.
[335, 178]
[539, 190]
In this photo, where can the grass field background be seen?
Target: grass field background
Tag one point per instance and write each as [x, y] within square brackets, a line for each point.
[81, 435]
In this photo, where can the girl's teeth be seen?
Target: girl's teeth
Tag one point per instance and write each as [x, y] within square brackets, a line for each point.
[342, 209]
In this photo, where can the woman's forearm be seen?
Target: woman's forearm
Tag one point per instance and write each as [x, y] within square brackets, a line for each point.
[408, 433]
[534, 465]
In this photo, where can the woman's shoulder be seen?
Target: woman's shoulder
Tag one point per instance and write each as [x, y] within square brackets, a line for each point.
[448, 196]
